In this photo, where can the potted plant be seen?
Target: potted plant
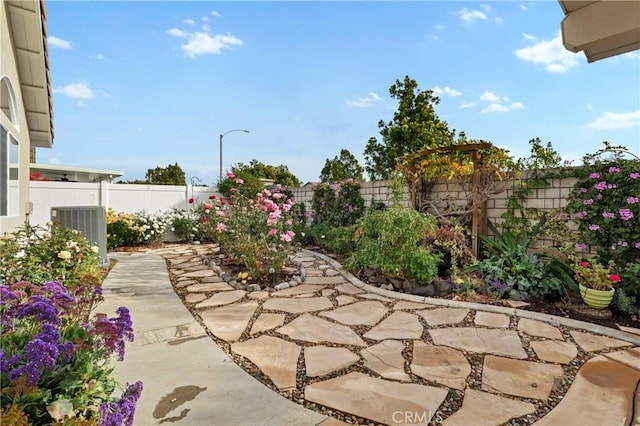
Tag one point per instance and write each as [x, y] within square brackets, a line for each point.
[596, 282]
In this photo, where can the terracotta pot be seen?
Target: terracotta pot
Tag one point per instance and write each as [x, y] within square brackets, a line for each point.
[597, 299]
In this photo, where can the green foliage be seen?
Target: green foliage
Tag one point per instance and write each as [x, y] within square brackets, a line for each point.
[130, 229]
[185, 226]
[55, 363]
[337, 204]
[414, 126]
[390, 240]
[451, 240]
[606, 206]
[244, 183]
[341, 168]
[257, 232]
[38, 255]
[627, 295]
[339, 240]
[278, 174]
[538, 164]
[170, 175]
[511, 271]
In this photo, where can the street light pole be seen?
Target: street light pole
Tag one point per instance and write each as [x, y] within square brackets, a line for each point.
[222, 136]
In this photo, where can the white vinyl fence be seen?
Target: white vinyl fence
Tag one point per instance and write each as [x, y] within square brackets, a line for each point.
[120, 197]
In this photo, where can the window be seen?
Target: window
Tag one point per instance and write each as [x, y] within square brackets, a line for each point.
[9, 173]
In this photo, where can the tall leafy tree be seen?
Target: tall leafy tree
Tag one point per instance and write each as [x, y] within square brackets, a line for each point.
[279, 174]
[341, 168]
[415, 126]
[170, 175]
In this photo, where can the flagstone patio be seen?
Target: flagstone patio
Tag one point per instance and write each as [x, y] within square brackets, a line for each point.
[365, 354]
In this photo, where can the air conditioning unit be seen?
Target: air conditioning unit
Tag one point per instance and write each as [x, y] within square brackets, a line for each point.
[91, 221]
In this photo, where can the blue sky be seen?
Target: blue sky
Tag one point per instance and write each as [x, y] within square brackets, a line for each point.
[145, 84]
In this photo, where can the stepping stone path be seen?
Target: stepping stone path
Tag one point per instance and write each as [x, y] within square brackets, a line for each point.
[375, 356]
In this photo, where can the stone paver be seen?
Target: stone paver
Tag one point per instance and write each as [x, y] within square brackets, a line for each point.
[372, 296]
[490, 319]
[481, 340]
[376, 399]
[199, 273]
[206, 287]
[267, 321]
[229, 322]
[442, 316]
[361, 313]
[555, 351]
[194, 297]
[629, 357]
[296, 306]
[327, 292]
[312, 329]
[385, 358]
[258, 295]
[520, 378]
[320, 360]
[539, 329]
[223, 298]
[398, 325]
[440, 364]
[600, 395]
[475, 410]
[212, 279]
[405, 304]
[591, 342]
[277, 358]
[345, 300]
[349, 288]
[300, 289]
[325, 280]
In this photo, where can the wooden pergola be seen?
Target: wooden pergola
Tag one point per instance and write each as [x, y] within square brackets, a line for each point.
[473, 149]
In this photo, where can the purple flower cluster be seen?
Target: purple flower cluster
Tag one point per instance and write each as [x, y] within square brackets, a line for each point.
[625, 214]
[123, 411]
[112, 332]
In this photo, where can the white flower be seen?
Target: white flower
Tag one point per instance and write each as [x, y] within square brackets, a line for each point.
[49, 224]
[95, 249]
[21, 253]
[64, 255]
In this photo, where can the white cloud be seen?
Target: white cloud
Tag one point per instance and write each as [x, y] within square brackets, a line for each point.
[498, 20]
[529, 37]
[76, 90]
[522, 6]
[98, 57]
[216, 14]
[613, 120]
[498, 104]
[59, 43]
[203, 42]
[446, 91]
[495, 108]
[174, 32]
[488, 96]
[469, 16]
[205, 19]
[189, 22]
[468, 104]
[550, 53]
[365, 101]
[589, 106]
[439, 27]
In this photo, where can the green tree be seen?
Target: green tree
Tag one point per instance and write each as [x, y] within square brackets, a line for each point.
[415, 126]
[279, 174]
[341, 168]
[170, 175]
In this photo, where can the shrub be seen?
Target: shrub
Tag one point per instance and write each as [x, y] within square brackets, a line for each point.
[606, 206]
[129, 229]
[511, 271]
[339, 240]
[450, 239]
[338, 204]
[390, 240]
[37, 254]
[55, 365]
[257, 232]
[185, 226]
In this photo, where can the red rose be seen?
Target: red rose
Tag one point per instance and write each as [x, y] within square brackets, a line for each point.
[615, 278]
[584, 264]
[212, 197]
[230, 203]
[205, 219]
[191, 200]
